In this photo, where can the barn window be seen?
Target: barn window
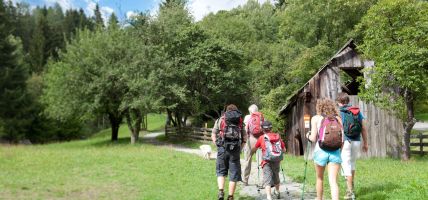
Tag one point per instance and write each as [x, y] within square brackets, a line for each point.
[348, 79]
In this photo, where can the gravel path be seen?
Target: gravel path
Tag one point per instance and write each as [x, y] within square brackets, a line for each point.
[288, 189]
[421, 126]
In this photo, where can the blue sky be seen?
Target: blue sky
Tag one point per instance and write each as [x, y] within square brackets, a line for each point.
[126, 8]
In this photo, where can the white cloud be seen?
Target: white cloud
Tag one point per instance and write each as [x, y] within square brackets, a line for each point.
[65, 4]
[201, 8]
[105, 10]
[15, 1]
[131, 14]
[90, 7]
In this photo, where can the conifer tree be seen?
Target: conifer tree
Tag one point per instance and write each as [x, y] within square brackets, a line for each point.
[13, 96]
[98, 17]
[113, 22]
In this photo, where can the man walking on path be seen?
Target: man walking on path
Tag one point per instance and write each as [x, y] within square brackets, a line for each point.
[354, 128]
[251, 122]
[229, 136]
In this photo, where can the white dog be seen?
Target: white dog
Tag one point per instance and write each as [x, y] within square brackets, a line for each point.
[206, 151]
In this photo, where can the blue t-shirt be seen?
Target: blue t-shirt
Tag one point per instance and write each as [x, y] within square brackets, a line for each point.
[360, 117]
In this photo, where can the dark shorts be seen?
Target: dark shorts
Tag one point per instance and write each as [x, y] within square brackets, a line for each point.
[229, 161]
[271, 173]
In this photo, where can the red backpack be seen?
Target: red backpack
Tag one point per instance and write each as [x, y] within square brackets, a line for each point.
[330, 134]
[273, 150]
[254, 125]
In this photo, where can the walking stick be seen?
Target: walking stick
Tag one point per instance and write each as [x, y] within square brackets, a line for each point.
[258, 171]
[308, 146]
[283, 177]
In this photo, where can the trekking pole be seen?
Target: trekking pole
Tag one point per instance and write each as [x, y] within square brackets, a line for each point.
[258, 171]
[283, 177]
[308, 146]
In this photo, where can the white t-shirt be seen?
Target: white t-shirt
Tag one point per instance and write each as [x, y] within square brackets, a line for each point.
[246, 119]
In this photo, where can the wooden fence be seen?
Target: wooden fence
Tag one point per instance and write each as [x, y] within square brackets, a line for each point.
[192, 133]
[417, 140]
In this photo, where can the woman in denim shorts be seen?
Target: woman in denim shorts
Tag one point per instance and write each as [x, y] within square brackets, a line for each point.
[323, 158]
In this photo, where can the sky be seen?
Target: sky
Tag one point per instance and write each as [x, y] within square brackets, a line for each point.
[126, 8]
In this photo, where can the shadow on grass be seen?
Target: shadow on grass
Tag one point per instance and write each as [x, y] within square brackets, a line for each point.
[159, 140]
[107, 142]
[183, 142]
[378, 192]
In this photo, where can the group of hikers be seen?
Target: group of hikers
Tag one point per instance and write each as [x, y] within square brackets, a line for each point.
[336, 129]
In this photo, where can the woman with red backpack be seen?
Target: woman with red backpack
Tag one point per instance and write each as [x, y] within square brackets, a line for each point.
[327, 132]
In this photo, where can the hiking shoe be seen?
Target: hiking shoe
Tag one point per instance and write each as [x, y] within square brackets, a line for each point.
[349, 195]
[220, 195]
[276, 194]
[229, 197]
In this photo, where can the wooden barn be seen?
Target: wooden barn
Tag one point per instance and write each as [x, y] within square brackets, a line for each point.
[337, 75]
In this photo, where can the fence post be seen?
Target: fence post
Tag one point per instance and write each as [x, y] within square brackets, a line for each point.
[166, 131]
[205, 131]
[421, 147]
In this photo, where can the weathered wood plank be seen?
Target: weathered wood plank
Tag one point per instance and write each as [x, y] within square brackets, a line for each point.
[419, 152]
[417, 144]
[418, 136]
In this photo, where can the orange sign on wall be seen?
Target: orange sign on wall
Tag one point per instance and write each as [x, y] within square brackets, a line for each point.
[307, 119]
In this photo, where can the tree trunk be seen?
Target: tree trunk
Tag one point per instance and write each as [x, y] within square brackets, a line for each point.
[408, 125]
[144, 122]
[178, 119]
[134, 125]
[170, 118]
[115, 124]
[185, 120]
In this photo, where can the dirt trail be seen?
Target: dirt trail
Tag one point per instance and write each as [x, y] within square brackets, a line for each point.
[288, 189]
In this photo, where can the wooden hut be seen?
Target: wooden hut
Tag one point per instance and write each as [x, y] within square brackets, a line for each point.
[337, 75]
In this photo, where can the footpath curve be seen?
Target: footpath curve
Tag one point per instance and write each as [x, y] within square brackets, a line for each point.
[288, 189]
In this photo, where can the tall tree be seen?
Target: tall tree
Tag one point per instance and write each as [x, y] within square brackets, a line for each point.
[98, 19]
[102, 72]
[113, 21]
[39, 48]
[310, 22]
[395, 37]
[13, 74]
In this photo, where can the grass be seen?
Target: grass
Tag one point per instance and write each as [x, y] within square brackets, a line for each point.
[422, 117]
[375, 178]
[99, 169]
[155, 122]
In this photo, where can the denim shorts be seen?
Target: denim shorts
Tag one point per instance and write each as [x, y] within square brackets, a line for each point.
[323, 157]
[229, 161]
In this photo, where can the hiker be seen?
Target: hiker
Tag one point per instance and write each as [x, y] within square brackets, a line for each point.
[229, 137]
[273, 149]
[327, 127]
[354, 128]
[253, 128]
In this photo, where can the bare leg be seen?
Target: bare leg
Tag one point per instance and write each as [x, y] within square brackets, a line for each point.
[333, 170]
[320, 177]
[220, 182]
[349, 181]
[268, 192]
[232, 187]
[277, 187]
